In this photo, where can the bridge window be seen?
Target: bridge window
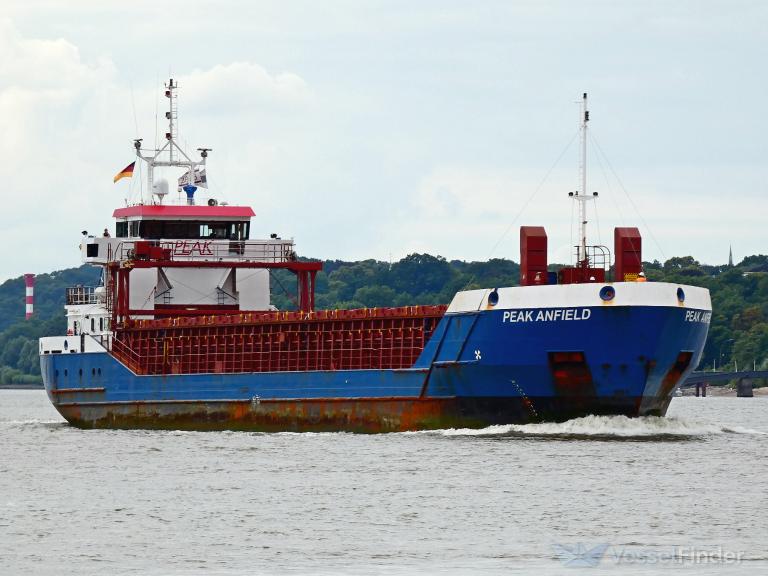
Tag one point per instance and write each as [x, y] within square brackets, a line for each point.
[192, 230]
[121, 229]
[225, 230]
[152, 229]
[178, 230]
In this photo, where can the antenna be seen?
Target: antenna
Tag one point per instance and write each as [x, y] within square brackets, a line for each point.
[176, 157]
[172, 114]
[582, 197]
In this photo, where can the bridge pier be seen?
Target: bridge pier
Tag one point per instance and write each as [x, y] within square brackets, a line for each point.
[744, 388]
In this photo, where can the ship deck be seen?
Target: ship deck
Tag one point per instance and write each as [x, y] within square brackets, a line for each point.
[369, 338]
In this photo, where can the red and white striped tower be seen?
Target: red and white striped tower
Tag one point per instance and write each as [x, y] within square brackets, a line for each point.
[29, 281]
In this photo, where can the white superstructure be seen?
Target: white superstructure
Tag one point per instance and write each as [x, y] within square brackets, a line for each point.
[205, 243]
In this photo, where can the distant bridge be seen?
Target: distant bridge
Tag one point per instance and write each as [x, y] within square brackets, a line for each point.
[722, 377]
[700, 380]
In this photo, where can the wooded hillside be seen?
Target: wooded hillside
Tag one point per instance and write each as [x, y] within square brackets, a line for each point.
[738, 335]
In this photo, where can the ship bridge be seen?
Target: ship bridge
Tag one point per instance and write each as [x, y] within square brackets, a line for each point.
[192, 259]
[167, 259]
[185, 233]
[184, 222]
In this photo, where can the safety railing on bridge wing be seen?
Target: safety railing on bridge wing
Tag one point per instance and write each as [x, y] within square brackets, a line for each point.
[206, 250]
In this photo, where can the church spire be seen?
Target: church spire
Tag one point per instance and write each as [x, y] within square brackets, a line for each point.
[730, 256]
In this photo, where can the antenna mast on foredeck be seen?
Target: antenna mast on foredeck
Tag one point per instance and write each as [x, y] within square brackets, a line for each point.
[582, 197]
[176, 155]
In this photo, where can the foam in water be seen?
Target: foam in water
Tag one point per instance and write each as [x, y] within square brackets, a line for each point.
[31, 422]
[587, 426]
[616, 426]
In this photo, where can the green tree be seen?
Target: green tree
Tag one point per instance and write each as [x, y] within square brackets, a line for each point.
[751, 347]
[420, 272]
[375, 296]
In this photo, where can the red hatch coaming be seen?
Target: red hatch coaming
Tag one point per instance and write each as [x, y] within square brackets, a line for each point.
[243, 341]
[183, 211]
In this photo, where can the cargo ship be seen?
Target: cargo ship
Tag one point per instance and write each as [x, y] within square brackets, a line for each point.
[181, 332]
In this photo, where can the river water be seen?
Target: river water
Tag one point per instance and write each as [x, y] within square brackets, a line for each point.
[600, 494]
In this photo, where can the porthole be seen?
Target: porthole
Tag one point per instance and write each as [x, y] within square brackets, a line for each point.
[80, 372]
[93, 371]
[66, 372]
[98, 371]
[607, 293]
[680, 295]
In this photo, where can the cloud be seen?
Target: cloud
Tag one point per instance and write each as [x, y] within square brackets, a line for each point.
[50, 69]
[243, 86]
[421, 129]
[39, 78]
[475, 213]
[66, 125]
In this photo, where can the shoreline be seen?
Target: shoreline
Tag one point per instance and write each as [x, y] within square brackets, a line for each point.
[22, 386]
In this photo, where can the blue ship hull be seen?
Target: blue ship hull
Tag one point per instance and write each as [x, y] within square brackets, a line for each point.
[479, 368]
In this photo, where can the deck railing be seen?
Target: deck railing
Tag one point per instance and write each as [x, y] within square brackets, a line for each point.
[378, 339]
[205, 250]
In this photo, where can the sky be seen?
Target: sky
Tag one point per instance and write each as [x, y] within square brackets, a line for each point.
[375, 129]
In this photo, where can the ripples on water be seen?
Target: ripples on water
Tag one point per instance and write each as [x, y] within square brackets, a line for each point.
[620, 493]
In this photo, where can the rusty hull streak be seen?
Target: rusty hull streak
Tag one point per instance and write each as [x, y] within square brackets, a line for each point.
[324, 415]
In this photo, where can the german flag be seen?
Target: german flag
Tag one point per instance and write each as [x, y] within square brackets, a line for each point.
[126, 172]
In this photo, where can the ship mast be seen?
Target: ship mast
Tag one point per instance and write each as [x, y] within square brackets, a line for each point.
[176, 155]
[582, 197]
